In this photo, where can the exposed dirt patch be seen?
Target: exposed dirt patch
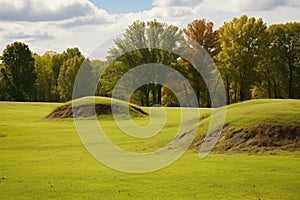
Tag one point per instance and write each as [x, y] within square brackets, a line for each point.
[263, 137]
[89, 110]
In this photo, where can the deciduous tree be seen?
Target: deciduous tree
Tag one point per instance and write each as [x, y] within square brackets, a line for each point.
[67, 77]
[202, 32]
[45, 83]
[285, 41]
[18, 71]
[242, 41]
[147, 43]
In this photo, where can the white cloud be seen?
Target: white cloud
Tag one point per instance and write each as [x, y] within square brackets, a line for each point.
[262, 5]
[59, 24]
[54, 10]
[293, 3]
[49, 26]
[176, 3]
[26, 30]
[40, 35]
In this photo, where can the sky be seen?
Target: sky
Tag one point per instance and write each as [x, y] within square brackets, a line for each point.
[59, 24]
[123, 6]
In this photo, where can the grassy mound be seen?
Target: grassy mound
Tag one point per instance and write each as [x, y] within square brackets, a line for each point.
[89, 106]
[258, 125]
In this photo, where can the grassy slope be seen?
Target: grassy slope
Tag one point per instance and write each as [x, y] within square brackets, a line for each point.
[42, 159]
[272, 111]
[253, 113]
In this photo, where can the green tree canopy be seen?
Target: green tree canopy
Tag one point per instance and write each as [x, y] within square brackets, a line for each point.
[242, 44]
[67, 77]
[18, 71]
[145, 43]
[45, 83]
[57, 62]
[285, 44]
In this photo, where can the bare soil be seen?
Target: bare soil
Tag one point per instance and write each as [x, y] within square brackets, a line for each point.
[262, 138]
[88, 110]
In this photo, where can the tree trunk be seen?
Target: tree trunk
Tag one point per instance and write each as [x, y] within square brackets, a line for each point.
[208, 100]
[242, 89]
[198, 93]
[187, 98]
[275, 89]
[235, 95]
[291, 95]
[241, 94]
[146, 92]
[56, 92]
[269, 89]
[228, 89]
[159, 87]
[154, 101]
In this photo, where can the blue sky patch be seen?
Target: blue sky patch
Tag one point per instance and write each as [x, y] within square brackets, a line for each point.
[123, 6]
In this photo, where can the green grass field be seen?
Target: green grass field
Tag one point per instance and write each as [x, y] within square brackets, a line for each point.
[45, 159]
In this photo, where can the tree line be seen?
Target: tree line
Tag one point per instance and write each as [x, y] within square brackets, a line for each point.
[255, 61]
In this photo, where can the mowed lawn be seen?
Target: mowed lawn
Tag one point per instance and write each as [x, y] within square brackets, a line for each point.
[45, 159]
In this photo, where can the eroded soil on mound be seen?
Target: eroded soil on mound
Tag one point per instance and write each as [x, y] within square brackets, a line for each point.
[263, 137]
[88, 110]
[268, 137]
